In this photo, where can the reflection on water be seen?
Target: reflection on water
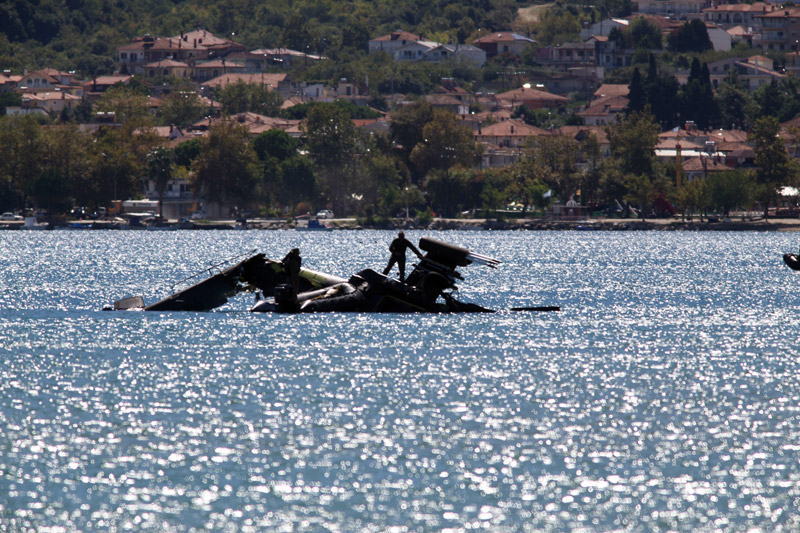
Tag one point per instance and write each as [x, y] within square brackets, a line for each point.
[664, 396]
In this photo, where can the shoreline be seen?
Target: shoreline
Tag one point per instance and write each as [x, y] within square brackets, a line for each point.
[774, 224]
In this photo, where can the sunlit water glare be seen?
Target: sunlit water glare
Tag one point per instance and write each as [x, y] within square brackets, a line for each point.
[664, 395]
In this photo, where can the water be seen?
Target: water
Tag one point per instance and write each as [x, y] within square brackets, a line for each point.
[664, 396]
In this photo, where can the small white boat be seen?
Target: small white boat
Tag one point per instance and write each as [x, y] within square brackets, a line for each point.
[31, 224]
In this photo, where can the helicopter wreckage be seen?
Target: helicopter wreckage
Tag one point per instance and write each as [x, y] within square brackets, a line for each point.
[429, 288]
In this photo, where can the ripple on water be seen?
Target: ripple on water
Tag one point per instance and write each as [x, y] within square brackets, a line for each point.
[663, 396]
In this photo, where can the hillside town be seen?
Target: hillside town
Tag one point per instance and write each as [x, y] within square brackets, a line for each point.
[572, 105]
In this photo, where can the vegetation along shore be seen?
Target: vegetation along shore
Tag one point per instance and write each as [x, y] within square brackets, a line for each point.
[387, 111]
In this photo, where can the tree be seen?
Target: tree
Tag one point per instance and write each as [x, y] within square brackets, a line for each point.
[769, 99]
[406, 127]
[182, 107]
[128, 104]
[645, 34]
[551, 160]
[333, 142]
[21, 154]
[734, 102]
[633, 141]
[241, 97]
[226, 170]
[68, 167]
[450, 191]
[556, 26]
[592, 154]
[661, 90]
[775, 168]
[731, 189]
[694, 195]
[446, 142]
[697, 97]
[641, 192]
[637, 97]
[186, 152]
[159, 162]
[9, 99]
[692, 36]
[276, 144]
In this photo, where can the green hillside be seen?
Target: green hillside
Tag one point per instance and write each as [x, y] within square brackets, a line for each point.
[82, 34]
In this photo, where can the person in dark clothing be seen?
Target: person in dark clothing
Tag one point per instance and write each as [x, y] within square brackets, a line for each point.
[398, 250]
[291, 265]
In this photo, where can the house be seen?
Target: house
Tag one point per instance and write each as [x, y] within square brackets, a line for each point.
[740, 34]
[573, 54]
[603, 28]
[727, 147]
[604, 111]
[97, 86]
[373, 125]
[609, 55]
[414, 51]
[478, 120]
[165, 68]
[213, 68]
[457, 53]
[275, 82]
[532, 98]
[609, 90]
[450, 103]
[730, 15]
[581, 133]
[44, 79]
[754, 72]
[793, 64]
[500, 43]
[189, 47]
[350, 91]
[264, 58]
[391, 42]
[701, 166]
[503, 141]
[720, 39]
[512, 133]
[254, 123]
[451, 88]
[780, 29]
[51, 102]
[9, 81]
[669, 8]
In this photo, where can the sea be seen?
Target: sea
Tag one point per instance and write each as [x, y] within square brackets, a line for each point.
[663, 396]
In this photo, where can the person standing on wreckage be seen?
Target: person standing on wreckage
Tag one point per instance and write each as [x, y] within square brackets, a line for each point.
[291, 265]
[398, 250]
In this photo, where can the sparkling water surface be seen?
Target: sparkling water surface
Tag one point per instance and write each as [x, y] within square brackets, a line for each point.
[664, 396]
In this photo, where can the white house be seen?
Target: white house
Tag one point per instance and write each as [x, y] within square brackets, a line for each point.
[604, 27]
[719, 37]
[415, 51]
[457, 53]
[391, 42]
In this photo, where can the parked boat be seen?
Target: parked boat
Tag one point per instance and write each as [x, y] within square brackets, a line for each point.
[314, 225]
[31, 224]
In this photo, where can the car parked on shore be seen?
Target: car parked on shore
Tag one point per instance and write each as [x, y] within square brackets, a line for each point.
[9, 216]
[325, 213]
